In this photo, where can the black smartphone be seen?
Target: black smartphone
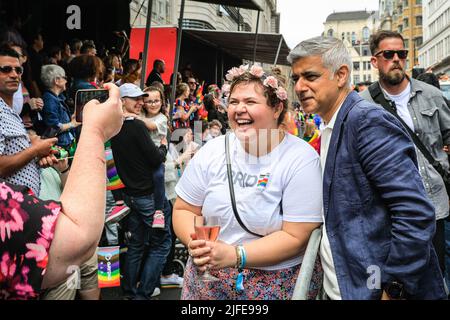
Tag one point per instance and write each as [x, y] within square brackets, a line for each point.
[50, 132]
[84, 96]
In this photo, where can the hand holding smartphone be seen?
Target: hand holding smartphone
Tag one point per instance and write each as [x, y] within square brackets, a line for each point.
[84, 96]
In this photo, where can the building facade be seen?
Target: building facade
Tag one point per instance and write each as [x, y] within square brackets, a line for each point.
[435, 51]
[354, 29]
[199, 15]
[407, 20]
[386, 10]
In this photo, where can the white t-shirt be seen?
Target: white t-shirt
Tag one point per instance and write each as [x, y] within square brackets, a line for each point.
[291, 171]
[401, 102]
[330, 283]
[161, 128]
[18, 100]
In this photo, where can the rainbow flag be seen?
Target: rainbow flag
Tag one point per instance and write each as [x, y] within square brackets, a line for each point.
[108, 267]
[114, 181]
[262, 181]
[199, 95]
[315, 141]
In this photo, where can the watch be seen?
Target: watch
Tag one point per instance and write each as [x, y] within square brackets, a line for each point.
[395, 290]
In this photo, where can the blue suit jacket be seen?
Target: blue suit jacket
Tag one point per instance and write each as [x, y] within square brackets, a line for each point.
[377, 213]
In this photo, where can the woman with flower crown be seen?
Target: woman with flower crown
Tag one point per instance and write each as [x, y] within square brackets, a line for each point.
[277, 186]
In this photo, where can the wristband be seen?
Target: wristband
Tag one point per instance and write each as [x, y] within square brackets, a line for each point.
[65, 170]
[241, 261]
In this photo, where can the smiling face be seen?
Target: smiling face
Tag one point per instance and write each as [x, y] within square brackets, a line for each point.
[9, 82]
[133, 105]
[249, 113]
[153, 103]
[316, 88]
[391, 71]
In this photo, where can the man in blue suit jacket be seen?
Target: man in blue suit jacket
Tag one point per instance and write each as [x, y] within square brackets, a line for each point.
[379, 223]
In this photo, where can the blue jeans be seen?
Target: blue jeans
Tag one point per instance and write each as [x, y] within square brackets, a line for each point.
[159, 187]
[139, 268]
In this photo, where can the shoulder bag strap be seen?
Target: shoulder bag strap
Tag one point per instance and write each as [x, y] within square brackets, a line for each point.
[379, 98]
[230, 185]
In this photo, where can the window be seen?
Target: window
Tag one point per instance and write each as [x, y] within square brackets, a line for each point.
[355, 79]
[406, 43]
[419, 41]
[419, 20]
[366, 34]
[330, 32]
[366, 51]
[418, 2]
[400, 28]
[343, 36]
[405, 3]
[356, 66]
[353, 38]
[406, 23]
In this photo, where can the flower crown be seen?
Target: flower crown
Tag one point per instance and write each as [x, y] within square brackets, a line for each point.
[258, 72]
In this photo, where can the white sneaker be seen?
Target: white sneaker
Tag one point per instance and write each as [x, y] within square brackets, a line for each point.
[156, 292]
[173, 281]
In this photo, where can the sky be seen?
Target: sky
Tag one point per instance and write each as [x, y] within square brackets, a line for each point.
[303, 19]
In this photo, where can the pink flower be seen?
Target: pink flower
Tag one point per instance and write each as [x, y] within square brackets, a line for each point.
[226, 88]
[236, 72]
[11, 219]
[7, 267]
[281, 94]
[232, 73]
[48, 227]
[257, 71]
[36, 251]
[271, 81]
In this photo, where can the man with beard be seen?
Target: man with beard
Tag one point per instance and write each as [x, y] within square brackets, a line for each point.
[378, 220]
[423, 109]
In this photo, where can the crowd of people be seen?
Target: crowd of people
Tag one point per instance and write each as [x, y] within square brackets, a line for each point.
[138, 170]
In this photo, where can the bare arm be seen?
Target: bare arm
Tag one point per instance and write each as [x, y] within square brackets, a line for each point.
[79, 226]
[39, 148]
[271, 249]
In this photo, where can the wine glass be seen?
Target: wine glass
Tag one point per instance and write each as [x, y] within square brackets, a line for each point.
[207, 228]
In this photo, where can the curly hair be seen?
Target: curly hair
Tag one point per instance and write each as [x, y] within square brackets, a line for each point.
[269, 92]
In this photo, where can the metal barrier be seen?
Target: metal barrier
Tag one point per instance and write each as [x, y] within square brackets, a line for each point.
[307, 267]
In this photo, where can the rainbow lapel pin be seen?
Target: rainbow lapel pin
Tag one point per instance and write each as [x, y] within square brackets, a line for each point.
[262, 181]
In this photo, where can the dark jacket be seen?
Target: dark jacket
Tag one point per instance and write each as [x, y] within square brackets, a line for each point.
[136, 156]
[152, 77]
[377, 213]
[55, 113]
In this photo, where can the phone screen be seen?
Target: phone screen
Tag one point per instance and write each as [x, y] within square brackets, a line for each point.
[84, 96]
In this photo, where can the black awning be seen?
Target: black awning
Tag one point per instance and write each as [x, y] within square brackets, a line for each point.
[241, 44]
[246, 4]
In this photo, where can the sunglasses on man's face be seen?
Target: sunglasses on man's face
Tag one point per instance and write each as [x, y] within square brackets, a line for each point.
[389, 54]
[9, 69]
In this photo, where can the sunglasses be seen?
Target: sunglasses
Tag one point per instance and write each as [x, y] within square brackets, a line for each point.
[9, 69]
[389, 54]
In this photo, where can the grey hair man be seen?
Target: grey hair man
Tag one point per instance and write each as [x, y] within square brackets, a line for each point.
[423, 109]
[378, 220]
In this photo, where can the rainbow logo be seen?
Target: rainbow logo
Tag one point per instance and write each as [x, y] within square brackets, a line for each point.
[108, 267]
[262, 181]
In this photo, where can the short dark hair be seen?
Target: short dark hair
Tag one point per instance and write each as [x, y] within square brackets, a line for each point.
[7, 51]
[157, 63]
[379, 36]
[429, 78]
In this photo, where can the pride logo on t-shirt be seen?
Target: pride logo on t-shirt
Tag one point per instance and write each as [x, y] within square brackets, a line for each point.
[262, 181]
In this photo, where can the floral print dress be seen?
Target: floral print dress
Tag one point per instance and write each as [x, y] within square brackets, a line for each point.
[27, 226]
